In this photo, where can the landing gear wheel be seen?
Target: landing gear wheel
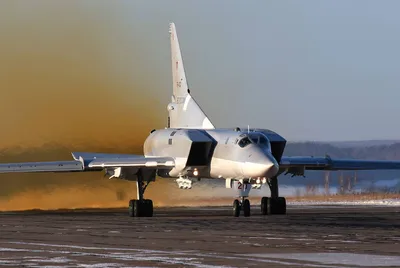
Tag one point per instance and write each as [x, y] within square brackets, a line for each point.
[265, 205]
[131, 210]
[273, 205]
[281, 205]
[246, 208]
[137, 208]
[148, 208]
[278, 205]
[142, 208]
[236, 208]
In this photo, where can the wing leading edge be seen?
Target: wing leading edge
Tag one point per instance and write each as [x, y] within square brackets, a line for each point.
[326, 163]
[55, 166]
[90, 162]
[101, 160]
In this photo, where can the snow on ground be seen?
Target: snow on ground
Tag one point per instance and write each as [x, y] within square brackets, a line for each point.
[382, 202]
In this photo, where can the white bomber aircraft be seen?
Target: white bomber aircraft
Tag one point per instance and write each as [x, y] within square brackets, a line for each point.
[191, 148]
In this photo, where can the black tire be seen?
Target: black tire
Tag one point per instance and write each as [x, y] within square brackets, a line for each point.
[236, 208]
[265, 206]
[137, 208]
[274, 206]
[278, 206]
[246, 208]
[144, 208]
[281, 201]
[130, 209]
[148, 205]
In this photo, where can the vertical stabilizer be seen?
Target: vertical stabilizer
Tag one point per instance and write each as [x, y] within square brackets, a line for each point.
[183, 110]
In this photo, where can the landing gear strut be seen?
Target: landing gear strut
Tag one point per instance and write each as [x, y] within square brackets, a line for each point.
[237, 206]
[141, 207]
[273, 204]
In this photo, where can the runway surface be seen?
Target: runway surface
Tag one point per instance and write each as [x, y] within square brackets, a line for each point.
[308, 236]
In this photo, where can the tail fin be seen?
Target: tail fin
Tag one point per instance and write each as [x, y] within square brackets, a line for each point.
[184, 112]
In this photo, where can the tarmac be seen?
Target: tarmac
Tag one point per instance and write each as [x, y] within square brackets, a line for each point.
[308, 236]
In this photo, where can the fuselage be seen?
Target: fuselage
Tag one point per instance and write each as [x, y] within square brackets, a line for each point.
[214, 153]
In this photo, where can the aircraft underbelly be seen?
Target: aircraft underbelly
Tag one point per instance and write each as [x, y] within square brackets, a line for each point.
[223, 168]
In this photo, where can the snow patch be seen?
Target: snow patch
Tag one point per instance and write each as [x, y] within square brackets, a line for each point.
[382, 202]
[338, 258]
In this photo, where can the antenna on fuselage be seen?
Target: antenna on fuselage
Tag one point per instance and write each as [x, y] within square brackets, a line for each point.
[248, 128]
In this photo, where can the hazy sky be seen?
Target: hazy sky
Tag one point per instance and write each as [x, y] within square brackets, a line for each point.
[310, 70]
[319, 70]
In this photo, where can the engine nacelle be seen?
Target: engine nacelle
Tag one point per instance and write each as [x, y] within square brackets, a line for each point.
[193, 147]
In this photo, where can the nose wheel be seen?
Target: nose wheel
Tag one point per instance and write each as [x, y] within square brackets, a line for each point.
[238, 206]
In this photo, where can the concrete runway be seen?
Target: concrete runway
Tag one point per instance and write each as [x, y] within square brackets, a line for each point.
[318, 236]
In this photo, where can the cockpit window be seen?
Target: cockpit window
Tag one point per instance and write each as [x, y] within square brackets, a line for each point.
[256, 138]
[260, 139]
[244, 142]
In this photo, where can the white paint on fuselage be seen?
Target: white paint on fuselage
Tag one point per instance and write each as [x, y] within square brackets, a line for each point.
[229, 160]
[225, 168]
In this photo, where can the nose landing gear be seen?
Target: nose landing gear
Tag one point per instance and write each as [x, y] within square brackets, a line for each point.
[238, 206]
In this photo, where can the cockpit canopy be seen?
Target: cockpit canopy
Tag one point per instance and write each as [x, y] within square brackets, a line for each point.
[255, 138]
[243, 142]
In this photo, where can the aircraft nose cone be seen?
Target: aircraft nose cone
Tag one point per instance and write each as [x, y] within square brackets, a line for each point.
[260, 164]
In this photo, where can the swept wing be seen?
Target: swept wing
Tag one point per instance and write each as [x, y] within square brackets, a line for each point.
[297, 165]
[90, 162]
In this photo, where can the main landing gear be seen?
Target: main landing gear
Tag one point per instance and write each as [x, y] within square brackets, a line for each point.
[273, 204]
[141, 207]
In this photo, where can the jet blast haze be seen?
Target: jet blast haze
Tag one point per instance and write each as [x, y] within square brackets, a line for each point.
[191, 148]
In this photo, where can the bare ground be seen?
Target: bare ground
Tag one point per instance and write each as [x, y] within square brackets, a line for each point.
[318, 236]
[346, 197]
